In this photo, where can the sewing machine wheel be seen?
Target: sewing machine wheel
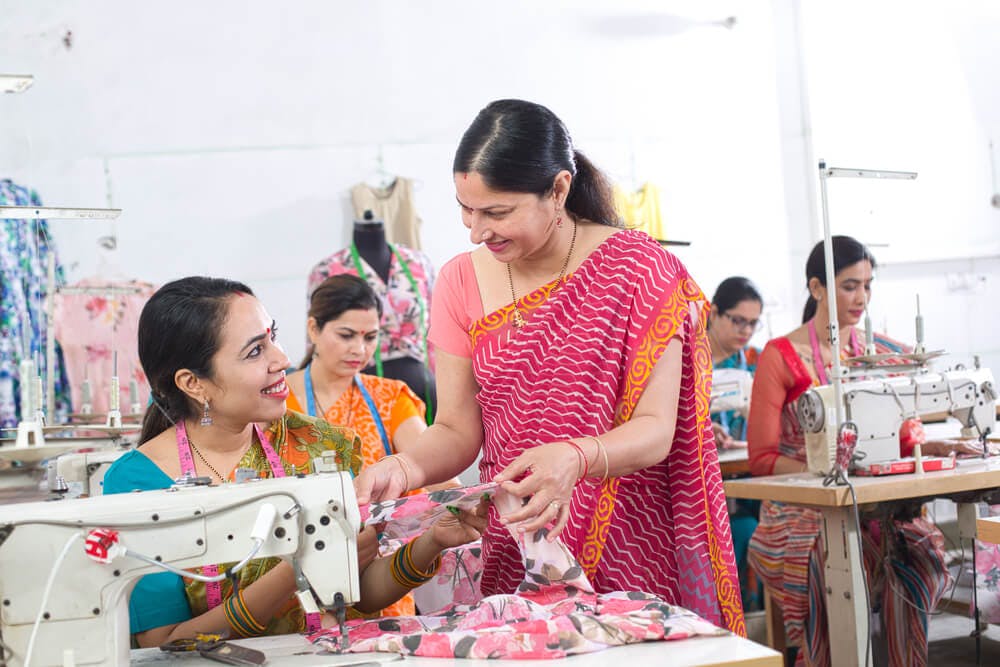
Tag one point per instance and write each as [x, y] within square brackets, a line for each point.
[809, 408]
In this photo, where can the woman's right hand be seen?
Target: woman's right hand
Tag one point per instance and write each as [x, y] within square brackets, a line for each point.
[385, 480]
[722, 438]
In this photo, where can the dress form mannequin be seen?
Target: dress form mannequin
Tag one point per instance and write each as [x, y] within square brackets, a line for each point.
[369, 238]
[370, 241]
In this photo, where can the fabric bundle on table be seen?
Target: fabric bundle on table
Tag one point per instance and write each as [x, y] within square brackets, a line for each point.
[554, 613]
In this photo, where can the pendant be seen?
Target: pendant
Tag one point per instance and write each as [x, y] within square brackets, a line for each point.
[518, 318]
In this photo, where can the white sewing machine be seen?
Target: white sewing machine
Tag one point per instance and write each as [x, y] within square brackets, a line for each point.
[878, 407]
[82, 473]
[312, 521]
[731, 390]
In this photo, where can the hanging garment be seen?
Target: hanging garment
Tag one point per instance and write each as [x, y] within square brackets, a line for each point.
[25, 246]
[91, 327]
[641, 209]
[554, 613]
[394, 205]
[406, 297]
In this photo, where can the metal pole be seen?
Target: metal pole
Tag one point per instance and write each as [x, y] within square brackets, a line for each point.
[831, 301]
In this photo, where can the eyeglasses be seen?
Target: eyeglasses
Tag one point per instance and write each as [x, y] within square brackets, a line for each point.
[744, 323]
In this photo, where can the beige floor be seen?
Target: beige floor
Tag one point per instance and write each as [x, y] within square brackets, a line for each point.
[950, 641]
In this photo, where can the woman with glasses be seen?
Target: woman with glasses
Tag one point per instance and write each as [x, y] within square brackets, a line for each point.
[734, 319]
[904, 555]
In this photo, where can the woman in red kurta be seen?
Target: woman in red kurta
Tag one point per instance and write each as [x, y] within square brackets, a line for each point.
[787, 548]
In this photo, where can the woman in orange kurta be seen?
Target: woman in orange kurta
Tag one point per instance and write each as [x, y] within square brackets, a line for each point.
[344, 315]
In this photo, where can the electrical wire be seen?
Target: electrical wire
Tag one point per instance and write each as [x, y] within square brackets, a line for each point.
[45, 595]
[258, 543]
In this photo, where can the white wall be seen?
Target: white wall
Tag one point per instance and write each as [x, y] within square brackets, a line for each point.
[232, 131]
[229, 132]
[913, 86]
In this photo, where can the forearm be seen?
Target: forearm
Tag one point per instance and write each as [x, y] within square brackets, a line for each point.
[637, 444]
[440, 453]
[786, 464]
[379, 588]
[264, 598]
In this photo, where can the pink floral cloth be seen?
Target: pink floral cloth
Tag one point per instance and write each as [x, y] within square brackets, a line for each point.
[91, 328]
[405, 518]
[554, 613]
[456, 581]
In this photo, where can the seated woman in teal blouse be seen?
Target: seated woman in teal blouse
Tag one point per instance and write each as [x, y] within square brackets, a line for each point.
[735, 317]
[217, 375]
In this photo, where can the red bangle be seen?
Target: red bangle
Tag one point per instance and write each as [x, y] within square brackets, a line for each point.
[583, 459]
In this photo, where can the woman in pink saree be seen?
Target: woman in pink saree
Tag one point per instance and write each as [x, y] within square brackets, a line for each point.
[572, 354]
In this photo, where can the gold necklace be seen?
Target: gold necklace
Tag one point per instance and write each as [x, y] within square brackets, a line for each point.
[225, 480]
[518, 317]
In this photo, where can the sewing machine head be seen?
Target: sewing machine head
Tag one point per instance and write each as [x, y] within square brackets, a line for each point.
[313, 521]
[81, 472]
[731, 390]
[878, 407]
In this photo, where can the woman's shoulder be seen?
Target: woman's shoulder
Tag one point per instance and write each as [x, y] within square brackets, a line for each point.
[134, 471]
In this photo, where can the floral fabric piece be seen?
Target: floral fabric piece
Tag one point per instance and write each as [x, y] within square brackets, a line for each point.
[25, 247]
[456, 581]
[554, 613]
[407, 517]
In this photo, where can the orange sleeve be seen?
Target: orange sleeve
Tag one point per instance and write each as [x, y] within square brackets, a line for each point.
[405, 406]
[771, 384]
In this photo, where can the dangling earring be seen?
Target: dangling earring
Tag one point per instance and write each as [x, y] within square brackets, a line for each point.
[206, 419]
[559, 221]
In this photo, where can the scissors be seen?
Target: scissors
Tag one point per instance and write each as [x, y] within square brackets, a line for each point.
[215, 647]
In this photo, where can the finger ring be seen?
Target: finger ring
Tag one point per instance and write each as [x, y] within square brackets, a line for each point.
[555, 504]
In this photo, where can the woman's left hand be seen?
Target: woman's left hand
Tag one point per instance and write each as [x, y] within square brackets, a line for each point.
[467, 526]
[367, 546]
[949, 447]
[553, 470]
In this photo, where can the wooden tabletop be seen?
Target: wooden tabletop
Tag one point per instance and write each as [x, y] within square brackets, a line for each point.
[988, 529]
[296, 651]
[808, 489]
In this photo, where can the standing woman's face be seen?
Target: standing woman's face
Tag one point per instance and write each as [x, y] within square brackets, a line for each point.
[346, 344]
[248, 371]
[512, 225]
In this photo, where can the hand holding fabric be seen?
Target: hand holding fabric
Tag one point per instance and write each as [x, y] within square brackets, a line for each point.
[460, 527]
[545, 491]
[387, 478]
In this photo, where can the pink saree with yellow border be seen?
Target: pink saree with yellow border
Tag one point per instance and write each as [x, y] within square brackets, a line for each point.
[579, 367]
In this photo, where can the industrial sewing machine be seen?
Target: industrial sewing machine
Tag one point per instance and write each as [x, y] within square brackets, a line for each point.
[731, 390]
[877, 407]
[58, 598]
[81, 474]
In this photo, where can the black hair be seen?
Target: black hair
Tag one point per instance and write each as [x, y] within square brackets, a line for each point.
[180, 327]
[519, 146]
[733, 291]
[335, 296]
[847, 251]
